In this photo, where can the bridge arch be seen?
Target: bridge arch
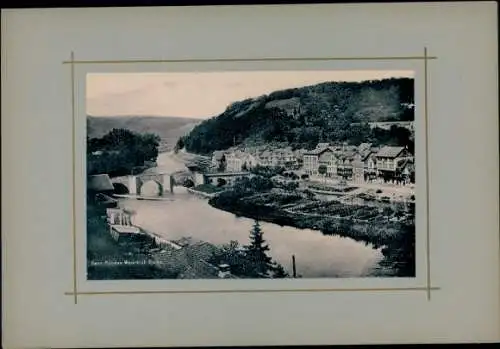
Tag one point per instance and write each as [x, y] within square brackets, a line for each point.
[133, 184]
[144, 187]
[120, 188]
[164, 181]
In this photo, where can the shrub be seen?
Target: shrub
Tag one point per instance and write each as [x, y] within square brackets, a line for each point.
[188, 183]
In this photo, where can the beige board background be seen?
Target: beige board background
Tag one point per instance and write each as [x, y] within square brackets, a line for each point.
[37, 178]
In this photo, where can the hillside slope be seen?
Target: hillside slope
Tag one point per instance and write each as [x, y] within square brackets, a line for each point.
[304, 116]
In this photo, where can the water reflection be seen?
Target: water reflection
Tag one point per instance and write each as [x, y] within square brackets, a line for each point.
[317, 255]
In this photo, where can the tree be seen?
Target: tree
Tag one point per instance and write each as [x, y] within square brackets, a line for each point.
[278, 271]
[399, 254]
[120, 188]
[324, 112]
[292, 186]
[309, 194]
[235, 256]
[179, 145]
[120, 151]
[322, 169]
[188, 183]
[256, 252]
[222, 164]
[304, 176]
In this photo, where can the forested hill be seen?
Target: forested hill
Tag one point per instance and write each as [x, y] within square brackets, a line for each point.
[304, 116]
[169, 129]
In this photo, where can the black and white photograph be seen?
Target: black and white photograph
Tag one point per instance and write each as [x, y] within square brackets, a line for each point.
[250, 175]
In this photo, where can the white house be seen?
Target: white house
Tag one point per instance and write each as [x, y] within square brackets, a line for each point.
[234, 162]
[388, 158]
[314, 158]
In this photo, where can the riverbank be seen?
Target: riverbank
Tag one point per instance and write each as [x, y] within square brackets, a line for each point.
[109, 260]
[202, 191]
[189, 215]
[397, 239]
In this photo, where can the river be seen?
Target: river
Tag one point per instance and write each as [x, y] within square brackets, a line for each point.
[186, 215]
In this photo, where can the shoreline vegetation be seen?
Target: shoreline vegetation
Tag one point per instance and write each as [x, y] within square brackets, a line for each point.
[153, 257]
[109, 260]
[386, 226]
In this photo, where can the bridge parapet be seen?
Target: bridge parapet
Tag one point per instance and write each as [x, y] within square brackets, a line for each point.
[134, 183]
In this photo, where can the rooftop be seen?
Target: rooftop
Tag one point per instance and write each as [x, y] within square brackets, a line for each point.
[126, 229]
[389, 152]
[318, 151]
[322, 145]
[100, 182]
[218, 154]
[226, 174]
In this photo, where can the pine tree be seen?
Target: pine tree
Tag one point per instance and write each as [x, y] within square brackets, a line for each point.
[256, 251]
[278, 271]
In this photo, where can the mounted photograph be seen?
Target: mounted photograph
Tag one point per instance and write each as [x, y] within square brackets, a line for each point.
[250, 174]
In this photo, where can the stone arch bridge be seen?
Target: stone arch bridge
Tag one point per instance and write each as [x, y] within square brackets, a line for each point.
[165, 182]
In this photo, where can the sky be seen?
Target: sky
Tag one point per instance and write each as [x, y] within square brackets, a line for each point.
[200, 95]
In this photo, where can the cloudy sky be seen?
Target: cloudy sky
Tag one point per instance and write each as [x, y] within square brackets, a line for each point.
[200, 95]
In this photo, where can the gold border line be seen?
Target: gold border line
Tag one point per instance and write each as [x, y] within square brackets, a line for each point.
[73, 112]
[382, 289]
[428, 288]
[275, 59]
[427, 175]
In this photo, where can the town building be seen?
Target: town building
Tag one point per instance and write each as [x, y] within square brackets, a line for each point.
[405, 171]
[316, 157]
[234, 162]
[358, 167]
[100, 189]
[118, 216]
[126, 233]
[283, 157]
[238, 161]
[331, 161]
[387, 125]
[387, 160]
[345, 166]
[370, 165]
[264, 158]
[249, 161]
[299, 154]
[227, 178]
[322, 145]
[218, 160]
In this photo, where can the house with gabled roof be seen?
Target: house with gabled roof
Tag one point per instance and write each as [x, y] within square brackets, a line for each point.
[345, 165]
[100, 183]
[405, 171]
[322, 145]
[311, 159]
[363, 147]
[218, 159]
[388, 158]
[264, 158]
[370, 165]
[358, 170]
[100, 190]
